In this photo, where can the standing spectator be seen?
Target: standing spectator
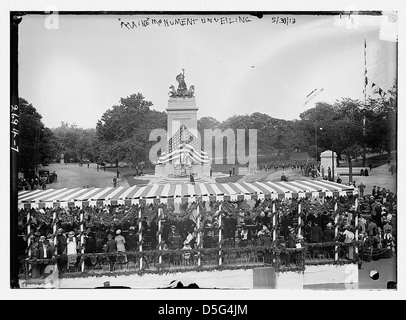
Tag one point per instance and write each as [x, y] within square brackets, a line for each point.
[391, 169]
[61, 248]
[265, 239]
[187, 255]
[90, 247]
[372, 228]
[176, 243]
[373, 191]
[370, 167]
[339, 180]
[292, 238]
[366, 172]
[361, 189]
[286, 222]
[118, 174]
[388, 244]
[114, 182]
[71, 250]
[211, 172]
[349, 238]
[153, 231]
[120, 243]
[100, 237]
[378, 215]
[316, 234]
[379, 192]
[329, 173]
[88, 165]
[328, 233]
[192, 179]
[43, 252]
[132, 239]
[111, 247]
[233, 170]
[171, 234]
[362, 224]
[230, 172]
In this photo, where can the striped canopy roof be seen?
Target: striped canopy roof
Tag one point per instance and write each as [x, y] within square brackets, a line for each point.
[169, 193]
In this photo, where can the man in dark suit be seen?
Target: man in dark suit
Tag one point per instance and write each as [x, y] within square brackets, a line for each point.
[111, 247]
[61, 250]
[44, 252]
[316, 233]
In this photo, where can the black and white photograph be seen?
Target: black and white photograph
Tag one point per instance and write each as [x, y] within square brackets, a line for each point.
[224, 151]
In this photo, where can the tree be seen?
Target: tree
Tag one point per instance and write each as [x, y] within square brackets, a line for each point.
[75, 143]
[122, 133]
[341, 125]
[381, 122]
[37, 144]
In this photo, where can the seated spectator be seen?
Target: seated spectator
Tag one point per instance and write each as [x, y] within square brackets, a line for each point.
[283, 177]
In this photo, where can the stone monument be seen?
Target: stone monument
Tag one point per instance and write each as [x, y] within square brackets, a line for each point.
[183, 154]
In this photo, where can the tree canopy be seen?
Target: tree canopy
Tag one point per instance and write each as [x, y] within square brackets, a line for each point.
[123, 131]
[37, 143]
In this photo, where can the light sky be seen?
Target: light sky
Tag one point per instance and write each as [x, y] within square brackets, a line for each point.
[74, 73]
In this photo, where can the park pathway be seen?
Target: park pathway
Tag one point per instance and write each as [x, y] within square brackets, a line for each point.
[70, 175]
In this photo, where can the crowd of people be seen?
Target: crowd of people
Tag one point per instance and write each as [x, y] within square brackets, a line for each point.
[284, 165]
[115, 229]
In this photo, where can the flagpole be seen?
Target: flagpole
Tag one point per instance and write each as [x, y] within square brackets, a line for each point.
[365, 101]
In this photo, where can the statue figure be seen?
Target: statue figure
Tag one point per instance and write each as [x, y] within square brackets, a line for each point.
[173, 92]
[191, 91]
[182, 90]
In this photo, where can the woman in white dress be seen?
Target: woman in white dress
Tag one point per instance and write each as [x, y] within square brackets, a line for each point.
[71, 250]
[120, 241]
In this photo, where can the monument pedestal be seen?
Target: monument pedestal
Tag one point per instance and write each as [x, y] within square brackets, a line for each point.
[169, 170]
[182, 111]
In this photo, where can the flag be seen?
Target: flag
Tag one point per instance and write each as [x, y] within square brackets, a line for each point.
[380, 63]
[312, 95]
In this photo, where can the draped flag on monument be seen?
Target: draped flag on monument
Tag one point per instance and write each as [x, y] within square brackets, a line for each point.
[183, 142]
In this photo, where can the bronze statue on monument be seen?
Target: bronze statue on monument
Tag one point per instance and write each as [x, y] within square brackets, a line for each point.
[182, 91]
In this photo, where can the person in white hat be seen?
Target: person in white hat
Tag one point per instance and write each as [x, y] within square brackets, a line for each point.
[328, 233]
[120, 241]
[187, 255]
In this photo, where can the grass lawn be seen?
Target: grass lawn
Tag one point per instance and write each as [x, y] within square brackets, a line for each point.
[376, 161]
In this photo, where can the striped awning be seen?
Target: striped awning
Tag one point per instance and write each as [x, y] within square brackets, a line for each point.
[178, 193]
